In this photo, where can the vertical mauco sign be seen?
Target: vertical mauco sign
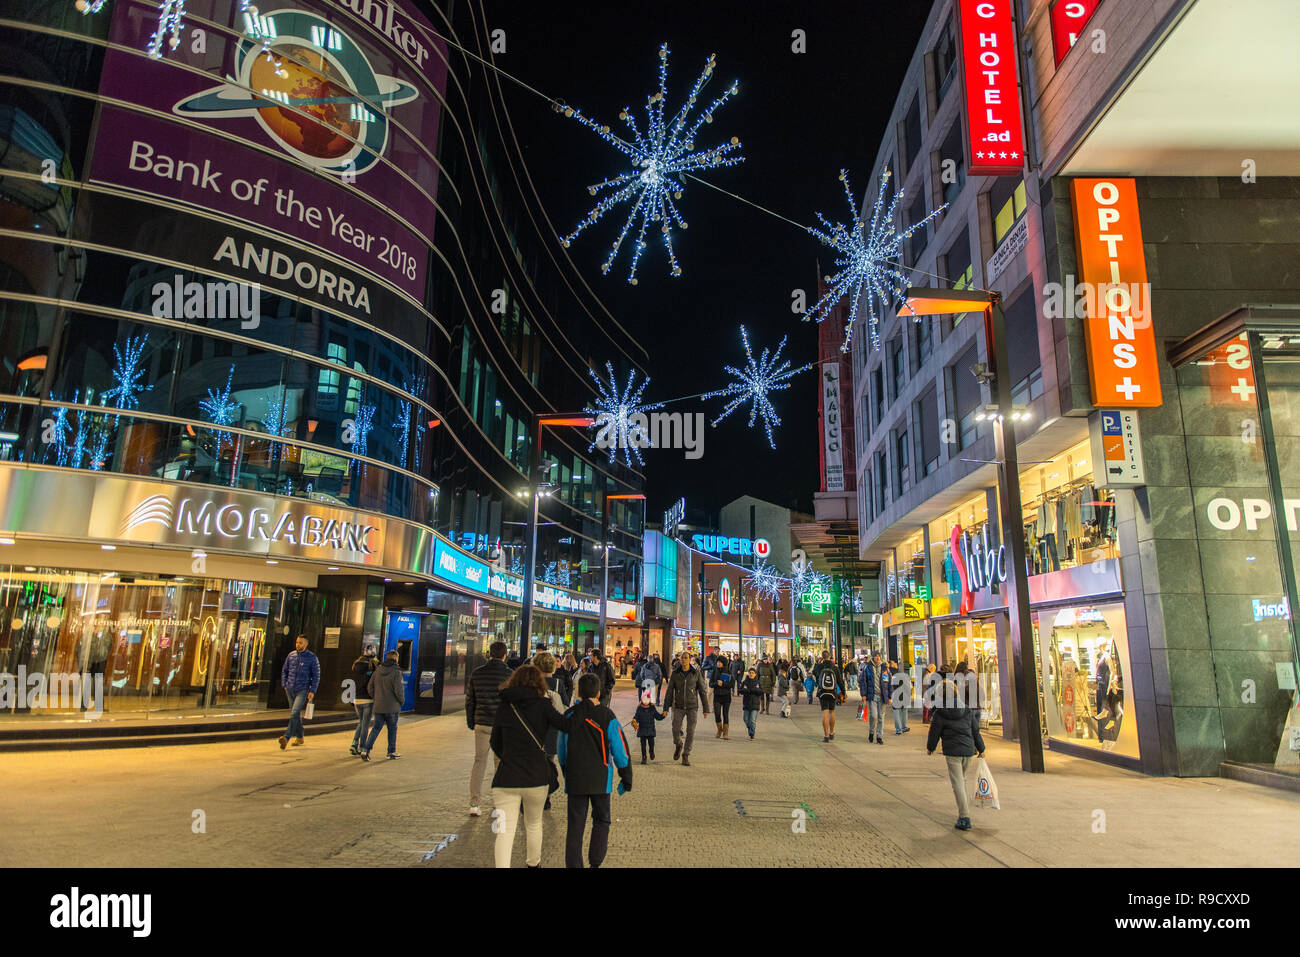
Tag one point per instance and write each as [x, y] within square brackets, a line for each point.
[1123, 364]
[1068, 19]
[832, 431]
[988, 49]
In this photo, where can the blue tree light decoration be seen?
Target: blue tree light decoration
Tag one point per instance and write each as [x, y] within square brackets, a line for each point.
[766, 581]
[660, 157]
[869, 260]
[127, 373]
[364, 422]
[221, 409]
[620, 416]
[274, 420]
[769, 373]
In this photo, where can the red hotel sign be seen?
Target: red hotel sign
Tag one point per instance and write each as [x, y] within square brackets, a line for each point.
[988, 50]
[1123, 366]
[1068, 19]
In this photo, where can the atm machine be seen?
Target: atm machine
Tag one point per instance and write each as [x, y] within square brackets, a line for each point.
[419, 636]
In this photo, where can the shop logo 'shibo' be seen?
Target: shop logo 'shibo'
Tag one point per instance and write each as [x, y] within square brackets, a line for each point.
[316, 96]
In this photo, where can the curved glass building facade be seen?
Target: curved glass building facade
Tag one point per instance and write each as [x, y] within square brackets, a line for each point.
[277, 311]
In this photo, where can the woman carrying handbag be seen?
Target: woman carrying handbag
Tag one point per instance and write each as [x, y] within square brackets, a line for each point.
[524, 774]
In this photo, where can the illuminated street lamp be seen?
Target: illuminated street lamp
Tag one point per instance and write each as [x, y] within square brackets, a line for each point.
[538, 490]
[1003, 414]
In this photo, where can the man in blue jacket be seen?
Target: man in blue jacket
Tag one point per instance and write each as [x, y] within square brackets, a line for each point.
[875, 686]
[588, 755]
[300, 678]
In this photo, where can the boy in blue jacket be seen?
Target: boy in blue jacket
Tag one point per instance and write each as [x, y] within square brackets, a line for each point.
[589, 754]
[644, 722]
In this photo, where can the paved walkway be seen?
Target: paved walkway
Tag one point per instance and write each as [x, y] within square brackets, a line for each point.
[865, 804]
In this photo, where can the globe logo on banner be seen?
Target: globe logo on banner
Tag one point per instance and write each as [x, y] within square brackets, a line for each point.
[724, 596]
[320, 99]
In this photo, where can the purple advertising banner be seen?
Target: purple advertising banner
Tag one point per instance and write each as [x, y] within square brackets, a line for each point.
[339, 79]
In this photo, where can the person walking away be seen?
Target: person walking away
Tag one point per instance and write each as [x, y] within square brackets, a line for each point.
[514, 661]
[722, 686]
[876, 676]
[600, 667]
[929, 680]
[644, 723]
[752, 701]
[685, 695]
[796, 680]
[851, 674]
[549, 667]
[830, 682]
[783, 691]
[300, 677]
[809, 686]
[899, 703]
[387, 689]
[767, 679]
[654, 671]
[482, 698]
[525, 717]
[590, 752]
[362, 669]
[958, 728]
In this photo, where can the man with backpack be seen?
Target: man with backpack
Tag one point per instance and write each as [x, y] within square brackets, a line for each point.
[829, 682]
[796, 680]
[589, 754]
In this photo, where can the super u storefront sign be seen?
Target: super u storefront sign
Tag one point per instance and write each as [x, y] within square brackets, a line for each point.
[1123, 368]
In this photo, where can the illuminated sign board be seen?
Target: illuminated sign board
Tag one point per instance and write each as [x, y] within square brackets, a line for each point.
[724, 596]
[556, 599]
[988, 44]
[1122, 358]
[457, 567]
[1068, 19]
[721, 545]
[501, 585]
[1270, 610]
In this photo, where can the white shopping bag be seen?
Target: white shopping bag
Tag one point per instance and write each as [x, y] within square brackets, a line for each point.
[308, 711]
[986, 789]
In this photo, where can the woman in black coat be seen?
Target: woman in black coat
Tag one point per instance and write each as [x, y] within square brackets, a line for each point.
[722, 683]
[523, 775]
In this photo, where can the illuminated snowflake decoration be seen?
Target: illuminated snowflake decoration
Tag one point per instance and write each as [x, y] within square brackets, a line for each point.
[402, 424]
[127, 374]
[363, 423]
[660, 158]
[851, 601]
[769, 373]
[766, 581]
[804, 581]
[171, 24]
[620, 415]
[869, 263]
[220, 408]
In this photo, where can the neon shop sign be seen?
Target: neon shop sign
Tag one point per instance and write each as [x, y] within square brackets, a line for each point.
[979, 564]
[721, 544]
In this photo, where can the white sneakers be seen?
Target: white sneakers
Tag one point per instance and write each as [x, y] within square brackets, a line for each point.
[474, 811]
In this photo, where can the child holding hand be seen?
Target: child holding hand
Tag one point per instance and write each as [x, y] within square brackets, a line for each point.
[644, 723]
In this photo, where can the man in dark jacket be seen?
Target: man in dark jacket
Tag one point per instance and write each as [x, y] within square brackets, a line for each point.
[482, 698]
[766, 680]
[828, 682]
[387, 689]
[875, 688]
[300, 677]
[959, 730]
[602, 669]
[686, 694]
[589, 752]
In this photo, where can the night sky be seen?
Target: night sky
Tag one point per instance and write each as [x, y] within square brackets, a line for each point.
[800, 117]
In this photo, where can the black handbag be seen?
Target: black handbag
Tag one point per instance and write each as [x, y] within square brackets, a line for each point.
[553, 784]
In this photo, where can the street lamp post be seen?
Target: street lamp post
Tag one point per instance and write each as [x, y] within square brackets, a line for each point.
[541, 420]
[606, 544]
[937, 302]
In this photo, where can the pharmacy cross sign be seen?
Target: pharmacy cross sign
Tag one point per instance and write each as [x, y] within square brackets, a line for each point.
[815, 598]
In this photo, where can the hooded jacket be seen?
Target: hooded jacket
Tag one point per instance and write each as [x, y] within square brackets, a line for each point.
[766, 676]
[958, 729]
[387, 688]
[523, 763]
[752, 689]
[362, 669]
[591, 748]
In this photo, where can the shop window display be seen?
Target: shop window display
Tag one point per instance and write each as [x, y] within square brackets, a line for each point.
[974, 642]
[1084, 652]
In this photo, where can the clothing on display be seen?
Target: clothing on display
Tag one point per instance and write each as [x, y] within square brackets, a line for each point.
[1067, 524]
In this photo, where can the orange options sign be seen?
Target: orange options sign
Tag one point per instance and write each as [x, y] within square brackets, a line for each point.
[1122, 361]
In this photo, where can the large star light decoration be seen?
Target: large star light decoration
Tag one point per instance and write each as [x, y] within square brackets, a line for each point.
[869, 261]
[760, 377]
[660, 157]
[766, 581]
[620, 416]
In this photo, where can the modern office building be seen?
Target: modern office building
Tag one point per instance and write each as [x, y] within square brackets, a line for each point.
[279, 310]
[1155, 455]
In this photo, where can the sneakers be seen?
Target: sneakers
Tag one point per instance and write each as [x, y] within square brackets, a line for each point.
[365, 755]
[871, 738]
[963, 824]
[905, 730]
[832, 735]
[826, 738]
[283, 742]
[297, 742]
[896, 733]
[474, 811]
[354, 750]
[880, 739]
[643, 759]
[394, 756]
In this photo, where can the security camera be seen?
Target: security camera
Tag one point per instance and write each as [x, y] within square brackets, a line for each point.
[980, 371]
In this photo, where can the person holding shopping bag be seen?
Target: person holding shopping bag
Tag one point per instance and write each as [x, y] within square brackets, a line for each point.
[958, 727]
